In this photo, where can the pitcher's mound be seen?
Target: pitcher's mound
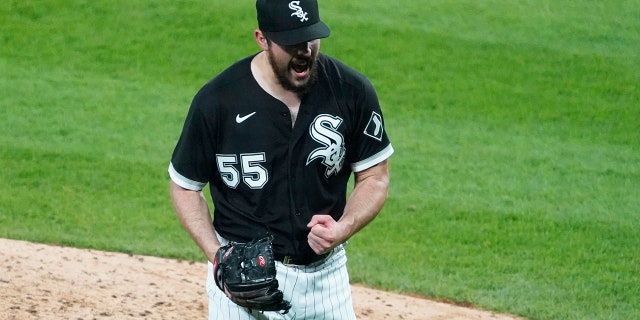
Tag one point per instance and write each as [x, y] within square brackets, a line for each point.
[51, 282]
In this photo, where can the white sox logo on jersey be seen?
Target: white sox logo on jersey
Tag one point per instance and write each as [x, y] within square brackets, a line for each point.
[297, 11]
[324, 129]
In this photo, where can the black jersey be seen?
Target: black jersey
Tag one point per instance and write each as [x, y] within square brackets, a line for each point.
[264, 174]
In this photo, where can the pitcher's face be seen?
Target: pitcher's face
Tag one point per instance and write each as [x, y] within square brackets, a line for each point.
[295, 66]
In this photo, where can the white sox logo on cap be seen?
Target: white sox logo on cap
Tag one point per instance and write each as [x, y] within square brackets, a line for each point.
[289, 22]
[298, 12]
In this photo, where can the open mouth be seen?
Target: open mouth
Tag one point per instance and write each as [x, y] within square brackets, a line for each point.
[300, 66]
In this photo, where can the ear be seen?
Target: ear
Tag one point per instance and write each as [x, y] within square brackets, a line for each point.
[261, 40]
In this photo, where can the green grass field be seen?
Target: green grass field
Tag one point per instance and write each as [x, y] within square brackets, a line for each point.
[516, 124]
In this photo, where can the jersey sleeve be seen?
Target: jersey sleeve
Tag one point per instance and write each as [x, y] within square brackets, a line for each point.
[193, 157]
[371, 142]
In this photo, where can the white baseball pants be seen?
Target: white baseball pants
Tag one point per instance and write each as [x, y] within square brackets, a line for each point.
[319, 291]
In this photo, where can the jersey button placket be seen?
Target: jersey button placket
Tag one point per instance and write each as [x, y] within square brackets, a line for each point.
[293, 185]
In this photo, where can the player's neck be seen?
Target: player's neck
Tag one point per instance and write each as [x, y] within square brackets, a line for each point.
[263, 73]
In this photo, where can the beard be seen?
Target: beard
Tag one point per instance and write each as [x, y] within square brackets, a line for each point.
[288, 81]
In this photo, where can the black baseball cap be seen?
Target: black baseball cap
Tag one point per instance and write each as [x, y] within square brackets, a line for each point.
[289, 22]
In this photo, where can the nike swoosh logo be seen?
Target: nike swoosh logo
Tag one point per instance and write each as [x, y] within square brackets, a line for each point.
[240, 119]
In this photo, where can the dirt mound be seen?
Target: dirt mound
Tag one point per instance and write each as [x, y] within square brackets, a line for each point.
[51, 282]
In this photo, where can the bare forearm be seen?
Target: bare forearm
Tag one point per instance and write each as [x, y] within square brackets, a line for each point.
[193, 213]
[364, 204]
[366, 200]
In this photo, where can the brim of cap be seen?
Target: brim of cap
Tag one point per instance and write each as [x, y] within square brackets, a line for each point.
[315, 31]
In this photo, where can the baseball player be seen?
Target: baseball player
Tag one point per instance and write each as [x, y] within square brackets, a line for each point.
[277, 136]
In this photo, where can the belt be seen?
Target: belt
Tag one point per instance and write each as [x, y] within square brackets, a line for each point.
[298, 261]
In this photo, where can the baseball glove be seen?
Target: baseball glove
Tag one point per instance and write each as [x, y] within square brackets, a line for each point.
[246, 273]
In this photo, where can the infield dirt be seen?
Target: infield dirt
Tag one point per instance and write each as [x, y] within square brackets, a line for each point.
[51, 282]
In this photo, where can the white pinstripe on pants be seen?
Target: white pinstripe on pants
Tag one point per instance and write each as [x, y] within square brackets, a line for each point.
[319, 291]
